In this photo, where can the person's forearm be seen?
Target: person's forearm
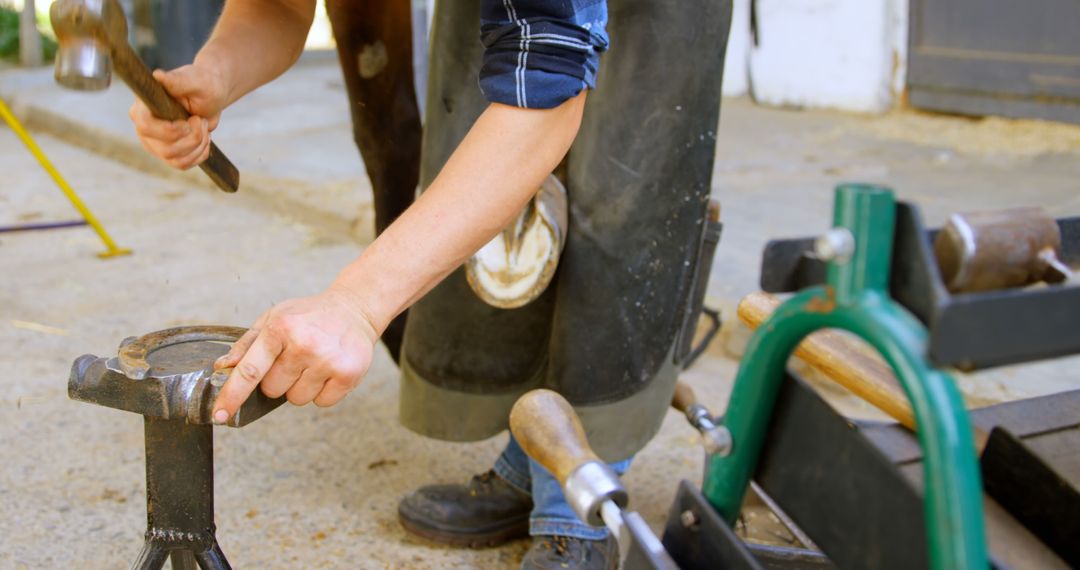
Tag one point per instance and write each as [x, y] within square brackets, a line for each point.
[487, 181]
[256, 40]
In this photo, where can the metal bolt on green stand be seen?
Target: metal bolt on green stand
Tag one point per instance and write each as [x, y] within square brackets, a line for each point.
[856, 299]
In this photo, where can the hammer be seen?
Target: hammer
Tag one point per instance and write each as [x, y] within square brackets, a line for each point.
[985, 251]
[92, 37]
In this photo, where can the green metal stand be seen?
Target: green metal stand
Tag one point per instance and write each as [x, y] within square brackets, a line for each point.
[856, 299]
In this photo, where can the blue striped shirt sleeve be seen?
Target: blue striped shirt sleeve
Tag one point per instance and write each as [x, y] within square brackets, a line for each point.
[539, 53]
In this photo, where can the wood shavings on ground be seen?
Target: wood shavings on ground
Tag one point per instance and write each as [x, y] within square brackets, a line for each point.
[38, 327]
[1020, 138]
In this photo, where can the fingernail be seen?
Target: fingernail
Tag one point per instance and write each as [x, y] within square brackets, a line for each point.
[221, 416]
[187, 129]
[206, 123]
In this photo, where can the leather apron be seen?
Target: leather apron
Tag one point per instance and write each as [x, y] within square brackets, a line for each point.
[604, 334]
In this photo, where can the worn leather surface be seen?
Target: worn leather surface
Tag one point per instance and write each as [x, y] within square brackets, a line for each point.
[486, 508]
[639, 181]
[566, 553]
[638, 178]
[453, 338]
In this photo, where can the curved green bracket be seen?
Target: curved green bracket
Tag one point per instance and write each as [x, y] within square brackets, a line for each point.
[856, 300]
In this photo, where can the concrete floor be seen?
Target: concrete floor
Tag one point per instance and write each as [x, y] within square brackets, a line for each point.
[315, 488]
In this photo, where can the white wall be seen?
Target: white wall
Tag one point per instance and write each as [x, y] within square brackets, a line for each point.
[847, 54]
[737, 60]
[898, 29]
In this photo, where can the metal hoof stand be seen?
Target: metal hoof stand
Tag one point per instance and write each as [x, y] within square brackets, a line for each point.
[855, 297]
[168, 378]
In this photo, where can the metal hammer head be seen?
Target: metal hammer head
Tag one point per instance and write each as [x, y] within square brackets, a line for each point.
[87, 31]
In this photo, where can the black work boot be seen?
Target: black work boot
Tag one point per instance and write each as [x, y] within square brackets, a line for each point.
[567, 553]
[486, 512]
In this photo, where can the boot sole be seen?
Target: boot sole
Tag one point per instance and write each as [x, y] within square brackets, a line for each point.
[477, 540]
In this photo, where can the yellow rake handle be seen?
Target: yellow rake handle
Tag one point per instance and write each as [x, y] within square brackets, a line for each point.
[112, 250]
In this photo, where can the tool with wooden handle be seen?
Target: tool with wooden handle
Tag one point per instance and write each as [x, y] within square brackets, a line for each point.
[716, 438]
[841, 360]
[847, 364]
[92, 38]
[549, 431]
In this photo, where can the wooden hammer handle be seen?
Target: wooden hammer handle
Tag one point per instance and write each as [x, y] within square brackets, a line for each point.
[138, 77]
[548, 429]
[683, 398]
[841, 360]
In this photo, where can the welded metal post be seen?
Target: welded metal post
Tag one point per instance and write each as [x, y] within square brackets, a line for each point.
[180, 496]
[166, 377]
[856, 299]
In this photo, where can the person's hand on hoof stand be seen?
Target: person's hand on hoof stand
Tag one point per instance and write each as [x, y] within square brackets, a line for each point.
[312, 349]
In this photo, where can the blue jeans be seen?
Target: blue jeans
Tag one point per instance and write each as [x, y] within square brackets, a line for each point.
[551, 514]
